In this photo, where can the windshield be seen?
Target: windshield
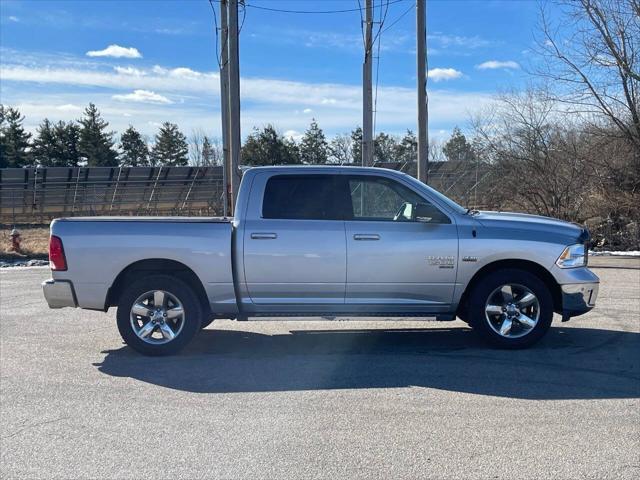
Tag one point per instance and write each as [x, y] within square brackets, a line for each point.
[434, 193]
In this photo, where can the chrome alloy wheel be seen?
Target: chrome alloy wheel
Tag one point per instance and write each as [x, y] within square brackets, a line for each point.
[157, 317]
[512, 310]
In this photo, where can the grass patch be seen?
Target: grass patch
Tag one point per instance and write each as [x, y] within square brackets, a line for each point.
[35, 242]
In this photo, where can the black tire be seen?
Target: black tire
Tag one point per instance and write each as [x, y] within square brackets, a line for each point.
[182, 291]
[479, 297]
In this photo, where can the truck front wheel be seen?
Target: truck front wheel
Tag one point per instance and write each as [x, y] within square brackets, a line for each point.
[158, 315]
[511, 308]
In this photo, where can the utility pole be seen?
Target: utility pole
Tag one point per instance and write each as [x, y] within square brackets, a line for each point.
[224, 104]
[234, 101]
[367, 90]
[423, 113]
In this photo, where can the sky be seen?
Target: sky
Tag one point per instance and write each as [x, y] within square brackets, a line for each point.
[149, 61]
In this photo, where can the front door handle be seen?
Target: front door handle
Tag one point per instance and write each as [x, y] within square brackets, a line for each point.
[366, 236]
[264, 236]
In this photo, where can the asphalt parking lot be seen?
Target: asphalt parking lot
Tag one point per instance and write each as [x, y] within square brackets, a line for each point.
[319, 399]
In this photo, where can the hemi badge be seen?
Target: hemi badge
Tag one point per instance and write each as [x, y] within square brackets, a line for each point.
[469, 259]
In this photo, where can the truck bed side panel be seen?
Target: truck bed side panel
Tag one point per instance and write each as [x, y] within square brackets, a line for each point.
[98, 251]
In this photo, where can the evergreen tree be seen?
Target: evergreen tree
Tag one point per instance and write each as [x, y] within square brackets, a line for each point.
[267, 147]
[14, 140]
[67, 137]
[44, 145]
[356, 145]
[314, 148]
[171, 147]
[56, 145]
[384, 148]
[134, 150]
[457, 148]
[96, 144]
[407, 149]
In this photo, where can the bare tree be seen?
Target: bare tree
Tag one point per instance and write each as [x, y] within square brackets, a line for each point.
[592, 56]
[196, 144]
[340, 149]
[538, 156]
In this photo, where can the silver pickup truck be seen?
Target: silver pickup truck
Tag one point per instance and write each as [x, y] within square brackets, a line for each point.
[324, 241]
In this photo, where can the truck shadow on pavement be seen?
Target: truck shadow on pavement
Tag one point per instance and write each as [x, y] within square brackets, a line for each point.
[569, 363]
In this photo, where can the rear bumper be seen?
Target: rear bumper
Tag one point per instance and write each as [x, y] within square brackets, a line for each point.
[578, 298]
[59, 293]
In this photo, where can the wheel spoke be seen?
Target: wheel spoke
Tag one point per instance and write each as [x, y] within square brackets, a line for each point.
[494, 309]
[147, 329]
[141, 310]
[528, 321]
[526, 300]
[158, 298]
[166, 331]
[507, 293]
[505, 328]
[174, 312]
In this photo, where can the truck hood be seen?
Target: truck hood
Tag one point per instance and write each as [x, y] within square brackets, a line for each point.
[519, 223]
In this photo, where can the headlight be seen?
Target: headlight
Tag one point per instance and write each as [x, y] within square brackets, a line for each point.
[573, 256]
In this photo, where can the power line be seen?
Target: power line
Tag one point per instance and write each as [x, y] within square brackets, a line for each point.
[378, 37]
[399, 18]
[244, 15]
[362, 25]
[382, 20]
[346, 10]
[215, 24]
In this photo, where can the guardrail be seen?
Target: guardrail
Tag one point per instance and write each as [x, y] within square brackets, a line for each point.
[39, 194]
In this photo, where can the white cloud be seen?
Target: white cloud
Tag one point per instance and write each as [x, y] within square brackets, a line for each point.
[129, 71]
[190, 98]
[69, 107]
[142, 96]
[439, 74]
[184, 73]
[497, 64]
[294, 135]
[307, 110]
[14, 18]
[447, 41]
[180, 72]
[115, 51]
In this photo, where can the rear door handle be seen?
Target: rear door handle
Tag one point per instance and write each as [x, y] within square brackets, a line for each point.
[366, 236]
[264, 236]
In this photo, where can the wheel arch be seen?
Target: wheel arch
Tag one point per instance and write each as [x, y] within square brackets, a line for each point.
[156, 266]
[526, 265]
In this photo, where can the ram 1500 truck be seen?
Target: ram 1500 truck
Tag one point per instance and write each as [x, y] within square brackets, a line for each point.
[324, 241]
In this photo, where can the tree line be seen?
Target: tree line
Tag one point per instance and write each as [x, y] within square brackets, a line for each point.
[88, 141]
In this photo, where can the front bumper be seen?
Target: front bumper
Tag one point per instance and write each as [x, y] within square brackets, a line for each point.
[59, 293]
[578, 298]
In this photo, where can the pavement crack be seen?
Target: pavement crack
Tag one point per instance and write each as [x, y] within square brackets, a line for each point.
[34, 425]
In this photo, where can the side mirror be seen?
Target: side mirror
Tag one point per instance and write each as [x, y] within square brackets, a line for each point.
[427, 213]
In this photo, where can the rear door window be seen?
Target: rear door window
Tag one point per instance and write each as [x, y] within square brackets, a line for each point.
[301, 197]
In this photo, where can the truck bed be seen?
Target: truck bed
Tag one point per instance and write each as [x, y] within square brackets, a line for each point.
[99, 249]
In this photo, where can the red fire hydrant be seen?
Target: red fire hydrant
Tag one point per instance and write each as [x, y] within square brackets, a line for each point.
[16, 238]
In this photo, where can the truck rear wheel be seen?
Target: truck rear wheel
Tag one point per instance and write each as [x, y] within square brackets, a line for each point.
[158, 315]
[511, 308]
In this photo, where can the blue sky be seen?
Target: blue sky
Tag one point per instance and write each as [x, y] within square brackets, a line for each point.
[144, 62]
